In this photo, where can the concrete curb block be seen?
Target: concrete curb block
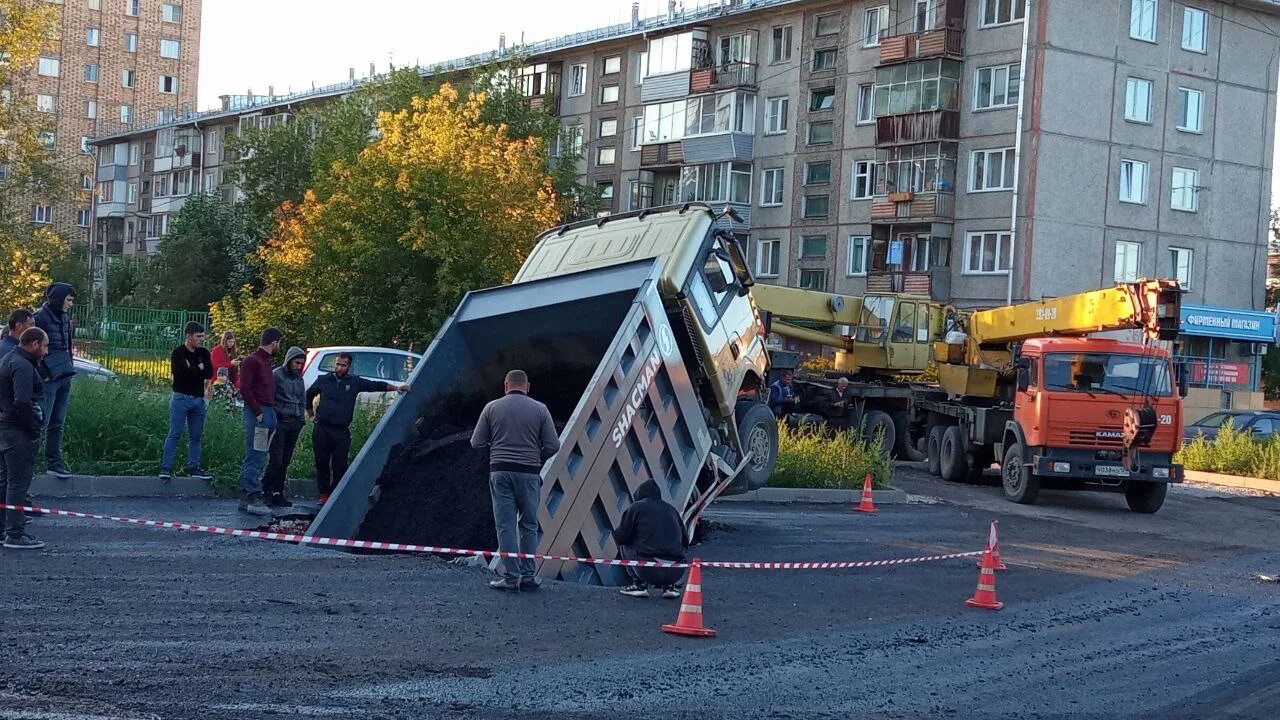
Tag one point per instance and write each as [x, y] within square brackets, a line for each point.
[890, 496]
[81, 486]
[1235, 481]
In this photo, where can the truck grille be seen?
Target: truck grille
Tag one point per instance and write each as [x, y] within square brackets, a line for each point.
[1106, 436]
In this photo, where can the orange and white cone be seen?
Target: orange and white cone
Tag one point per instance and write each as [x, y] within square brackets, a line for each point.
[985, 596]
[993, 550]
[867, 505]
[689, 621]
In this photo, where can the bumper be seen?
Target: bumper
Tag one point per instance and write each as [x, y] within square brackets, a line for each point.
[1085, 465]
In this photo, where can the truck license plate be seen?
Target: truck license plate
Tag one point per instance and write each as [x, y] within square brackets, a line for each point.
[1111, 471]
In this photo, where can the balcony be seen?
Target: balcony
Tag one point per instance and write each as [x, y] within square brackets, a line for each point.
[661, 155]
[934, 284]
[913, 207]
[724, 77]
[943, 42]
[717, 148]
[911, 128]
[548, 103]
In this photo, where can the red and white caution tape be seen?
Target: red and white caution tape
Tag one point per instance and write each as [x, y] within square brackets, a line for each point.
[405, 547]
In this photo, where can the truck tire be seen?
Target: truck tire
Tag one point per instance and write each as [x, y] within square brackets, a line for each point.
[1145, 497]
[933, 449]
[1020, 485]
[952, 462]
[758, 429]
[877, 422]
[906, 450]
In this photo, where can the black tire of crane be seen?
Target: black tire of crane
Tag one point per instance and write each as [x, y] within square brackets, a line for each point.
[952, 462]
[934, 449]
[878, 422]
[905, 450]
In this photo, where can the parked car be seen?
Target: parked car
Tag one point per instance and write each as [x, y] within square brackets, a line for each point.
[374, 363]
[91, 370]
[1260, 423]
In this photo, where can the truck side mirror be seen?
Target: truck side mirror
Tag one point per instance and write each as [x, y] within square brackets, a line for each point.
[1180, 371]
[1024, 379]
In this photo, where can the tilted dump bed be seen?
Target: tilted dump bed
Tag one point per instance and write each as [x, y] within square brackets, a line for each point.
[600, 352]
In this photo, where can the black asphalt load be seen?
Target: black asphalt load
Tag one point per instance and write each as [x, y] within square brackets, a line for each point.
[1107, 614]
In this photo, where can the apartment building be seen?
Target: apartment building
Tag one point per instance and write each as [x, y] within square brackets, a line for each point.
[117, 63]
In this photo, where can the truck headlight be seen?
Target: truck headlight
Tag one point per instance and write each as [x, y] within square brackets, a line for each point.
[1160, 473]
[1062, 467]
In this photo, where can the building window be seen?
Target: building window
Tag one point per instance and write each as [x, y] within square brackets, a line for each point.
[874, 21]
[827, 25]
[999, 12]
[863, 179]
[996, 86]
[822, 99]
[1137, 100]
[91, 73]
[637, 129]
[133, 8]
[987, 253]
[82, 217]
[608, 128]
[575, 139]
[1194, 29]
[171, 49]
[577, 80]
[817, 173]
[859, 246]
[605, 156]
[716, 182]
[170, 12]
[127, 78]
[131, 42]
[1185, 192]
[641, 195]
[95, 4]
[126, 114]
[1128, 258]
[613, 64]
[866, 105]
[133, 154]
[1142, 20]
[775, 115]
[91, 109]
[813, 246]
[926, 15]
[821, 133]
[1133, 181]
[641, 65]
[93, 36]
[771, 180]
[168, 84]
[131, 193]
[815, 206]
[1189, 104]
[605, 190]
[665, 122]
[49, 67]
[825, 59]
[991, 170]
[707, 114]
[608, 94]
[670, 53]
[780, 46]
[768, 255]
[42, 214]
[161, 188]
[48, 139]
[813, 280]
[1180, 266]
[86, 145]
[46, 103]
[86, 182]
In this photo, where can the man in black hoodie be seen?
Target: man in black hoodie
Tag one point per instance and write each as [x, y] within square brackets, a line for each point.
[57, 370]
[651, 529]
[20, 424]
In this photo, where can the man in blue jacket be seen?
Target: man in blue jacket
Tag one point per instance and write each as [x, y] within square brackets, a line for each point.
[57, 370]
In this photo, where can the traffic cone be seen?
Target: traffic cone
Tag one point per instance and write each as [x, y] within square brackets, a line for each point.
[689, 621]
[985, 596]
[993, 550]
[867, 505]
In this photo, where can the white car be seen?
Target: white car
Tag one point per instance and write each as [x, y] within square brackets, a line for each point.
[89, 369]
[372, 363]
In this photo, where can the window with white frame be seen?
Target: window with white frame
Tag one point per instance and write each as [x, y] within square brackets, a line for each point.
[171, 49]
[135, 154]
[1128, 260]
[637, 130]
[1185, 192]
[996, 86]
[771, 180]
[82, 217]
[866, 105]
[1137, 100]
[864, 179]
[95, 4]
[874, 21]
[715, 183]
[577, 80]
[1190, 104]
[780, 45]
[605, 156]
[1133, 181]
[91, 109]
[171, 12]
[92, 37]
[613, 64]
[131, 193]
[775, 115]
[987, 253]
[1195, 26]
[768, 257]
[1000, 12]
[1142, 20]
[608, 94]
[608, 127]
[168, 84]
[49, 67]
[991, 170]
[859, 247]
[86, 182]
[575, 138]
[665, 122]
[670, 53]
[925, 15]
[1180, 266]
[91, 73]
[127, 77]
[42, 214]
[828, 24]
[131, 42]
[46, 103]
[133, 8]
[126, 114]
[86, 145]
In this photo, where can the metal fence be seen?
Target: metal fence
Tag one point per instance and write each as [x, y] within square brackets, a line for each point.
[131, 341]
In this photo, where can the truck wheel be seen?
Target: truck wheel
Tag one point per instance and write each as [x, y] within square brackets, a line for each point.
[906, 449]
[933, 449]
[758, 430]
[1146, 497]
[1020, 485]
[951, 456]
[878, 422]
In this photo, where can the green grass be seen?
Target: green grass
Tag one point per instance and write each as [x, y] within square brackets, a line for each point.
[118, 428]
[1233, 452]
[809, 459]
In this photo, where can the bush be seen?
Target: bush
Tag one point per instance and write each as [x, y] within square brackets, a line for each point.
[118, 428]
[807, 458]
[1233, 452]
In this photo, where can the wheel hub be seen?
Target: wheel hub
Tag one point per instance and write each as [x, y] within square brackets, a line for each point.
[758, 445]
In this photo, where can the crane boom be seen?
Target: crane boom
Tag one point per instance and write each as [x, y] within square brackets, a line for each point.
[1148, 305]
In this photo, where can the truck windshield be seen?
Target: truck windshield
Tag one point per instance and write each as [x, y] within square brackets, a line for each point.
[876, 311]
[1108, 373]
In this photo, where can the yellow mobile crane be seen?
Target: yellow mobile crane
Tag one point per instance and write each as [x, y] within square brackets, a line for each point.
[1020, 384]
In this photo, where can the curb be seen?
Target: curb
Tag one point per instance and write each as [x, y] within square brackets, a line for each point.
[1235, 481]
[890, 496]
[83, 486]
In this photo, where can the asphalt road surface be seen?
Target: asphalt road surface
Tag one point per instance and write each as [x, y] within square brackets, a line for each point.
[1108, 614]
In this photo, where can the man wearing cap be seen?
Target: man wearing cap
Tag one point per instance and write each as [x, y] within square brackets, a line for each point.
[191, 367]
[258, 389]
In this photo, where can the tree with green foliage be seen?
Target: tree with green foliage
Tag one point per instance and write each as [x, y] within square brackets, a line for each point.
[200, 259]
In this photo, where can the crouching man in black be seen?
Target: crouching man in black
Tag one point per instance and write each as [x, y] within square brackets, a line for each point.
[651, 529]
